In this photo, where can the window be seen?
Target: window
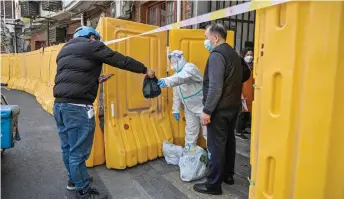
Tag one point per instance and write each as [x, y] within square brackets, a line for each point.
[162, 13]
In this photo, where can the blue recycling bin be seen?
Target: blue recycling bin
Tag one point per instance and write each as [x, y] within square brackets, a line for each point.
[9, 125]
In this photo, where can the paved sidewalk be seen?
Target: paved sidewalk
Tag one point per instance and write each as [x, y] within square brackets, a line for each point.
[33, 169]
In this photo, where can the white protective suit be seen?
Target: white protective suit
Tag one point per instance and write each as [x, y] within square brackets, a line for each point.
[187, 83]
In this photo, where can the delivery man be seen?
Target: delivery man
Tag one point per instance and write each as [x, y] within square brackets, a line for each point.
[187, 83]
[79, 64]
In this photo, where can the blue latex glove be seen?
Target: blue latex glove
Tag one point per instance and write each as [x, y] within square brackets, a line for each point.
[176, 116]
[162, 83]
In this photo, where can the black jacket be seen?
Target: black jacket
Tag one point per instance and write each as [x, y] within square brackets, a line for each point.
[222, 83]
[79, 64]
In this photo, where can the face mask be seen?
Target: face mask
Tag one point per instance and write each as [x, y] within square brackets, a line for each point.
[248, 59]
[207, 45]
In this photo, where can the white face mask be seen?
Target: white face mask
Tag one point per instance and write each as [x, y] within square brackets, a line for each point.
[248, 59]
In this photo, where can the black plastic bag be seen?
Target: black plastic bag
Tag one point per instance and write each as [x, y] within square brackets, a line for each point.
[150, 87]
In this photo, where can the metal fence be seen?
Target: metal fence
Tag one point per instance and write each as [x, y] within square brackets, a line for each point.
[243, 25]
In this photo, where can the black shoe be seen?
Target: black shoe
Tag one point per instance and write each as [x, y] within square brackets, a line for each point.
[202, 188]
[71, 185]
[91, 193]
[228, 180]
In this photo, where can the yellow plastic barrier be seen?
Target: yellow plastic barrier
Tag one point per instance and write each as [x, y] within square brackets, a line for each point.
[97, 156]
[20, 84]
[135, 127]
[297, 146]
[191, 42]
[14, 71]
[43, 84]
[48, 97]
[5, 67]
[33, 64]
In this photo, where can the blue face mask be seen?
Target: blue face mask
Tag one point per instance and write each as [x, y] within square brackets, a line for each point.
[207, 45]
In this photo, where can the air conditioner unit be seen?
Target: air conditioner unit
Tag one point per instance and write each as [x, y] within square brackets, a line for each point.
[121, 9]
[29, 9]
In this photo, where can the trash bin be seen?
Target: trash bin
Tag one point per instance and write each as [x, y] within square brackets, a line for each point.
[9, 125]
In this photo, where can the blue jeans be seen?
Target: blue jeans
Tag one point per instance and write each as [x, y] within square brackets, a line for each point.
[76, 132]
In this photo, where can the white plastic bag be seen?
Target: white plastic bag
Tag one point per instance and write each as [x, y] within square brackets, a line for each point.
[193, 164]
[172, 152]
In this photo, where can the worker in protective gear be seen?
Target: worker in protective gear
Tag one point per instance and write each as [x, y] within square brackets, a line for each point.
[187, 83]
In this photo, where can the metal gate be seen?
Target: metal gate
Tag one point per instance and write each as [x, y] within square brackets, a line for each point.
[243, 25]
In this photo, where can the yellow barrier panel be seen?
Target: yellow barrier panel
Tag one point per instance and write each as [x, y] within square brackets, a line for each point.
[191, 42]
[20, 84]
[14, 71]
[33, 64]
[49, 97]
[135, 127]
[97, 156]
[5, 67]
[43, 84]
[298, 129]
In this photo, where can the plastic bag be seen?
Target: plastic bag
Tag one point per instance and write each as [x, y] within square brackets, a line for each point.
[150, 87]
[193, 164]
[172, 153]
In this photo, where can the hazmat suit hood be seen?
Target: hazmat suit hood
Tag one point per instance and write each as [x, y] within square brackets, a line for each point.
[177, 60]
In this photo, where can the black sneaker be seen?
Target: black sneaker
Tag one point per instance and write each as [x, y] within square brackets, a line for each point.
[71, 185]
[91, 193]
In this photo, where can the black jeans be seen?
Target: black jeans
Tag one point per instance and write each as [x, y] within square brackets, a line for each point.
[221, 145]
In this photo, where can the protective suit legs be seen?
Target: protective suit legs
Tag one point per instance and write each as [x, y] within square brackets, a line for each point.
[192, 128]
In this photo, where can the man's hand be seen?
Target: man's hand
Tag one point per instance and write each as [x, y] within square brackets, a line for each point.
[205, 119]
[150, 73]
[104, 78]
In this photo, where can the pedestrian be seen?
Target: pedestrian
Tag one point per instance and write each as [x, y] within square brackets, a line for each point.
[79, 64]
[222, 86]
[244, 116]
[187, 83]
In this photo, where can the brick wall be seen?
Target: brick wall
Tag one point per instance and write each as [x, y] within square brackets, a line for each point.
[40, 36]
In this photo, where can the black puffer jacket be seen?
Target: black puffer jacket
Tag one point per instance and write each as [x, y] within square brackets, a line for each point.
[79, 65]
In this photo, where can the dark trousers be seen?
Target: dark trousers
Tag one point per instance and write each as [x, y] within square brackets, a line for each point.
[221, 145]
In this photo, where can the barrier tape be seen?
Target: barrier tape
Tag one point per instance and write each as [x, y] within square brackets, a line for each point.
[226, 12]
